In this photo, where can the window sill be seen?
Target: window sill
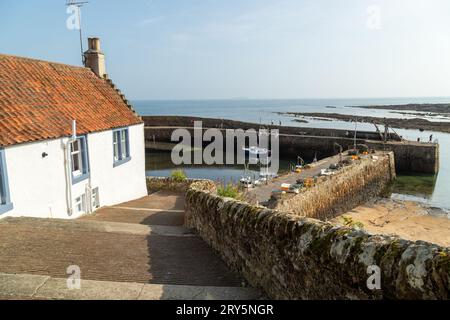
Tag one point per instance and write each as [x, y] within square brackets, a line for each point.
[6, 207]
[78, 179]
[120, 162]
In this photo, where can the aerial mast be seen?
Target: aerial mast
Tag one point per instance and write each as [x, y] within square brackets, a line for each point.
[78, 4]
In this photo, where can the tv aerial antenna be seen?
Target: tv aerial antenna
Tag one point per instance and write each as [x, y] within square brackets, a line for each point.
[79, 5]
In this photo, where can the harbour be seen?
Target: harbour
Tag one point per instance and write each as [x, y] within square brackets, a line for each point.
[429, 189]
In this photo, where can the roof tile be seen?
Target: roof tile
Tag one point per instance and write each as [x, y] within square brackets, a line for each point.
[39, 100]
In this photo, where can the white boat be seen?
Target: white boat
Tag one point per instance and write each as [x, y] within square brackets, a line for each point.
[327, 172]
[256, 150]
[246, 182]
[259, 182]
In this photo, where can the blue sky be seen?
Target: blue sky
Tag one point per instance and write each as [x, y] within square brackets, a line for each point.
[213, 49]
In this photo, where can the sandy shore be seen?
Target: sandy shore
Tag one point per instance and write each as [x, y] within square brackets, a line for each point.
[406, 219]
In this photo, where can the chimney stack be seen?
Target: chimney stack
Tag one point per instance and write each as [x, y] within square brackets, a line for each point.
[94, 58]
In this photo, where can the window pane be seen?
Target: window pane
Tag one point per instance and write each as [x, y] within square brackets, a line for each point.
[76, 146]
[77, 157]
[123, 147]
[76, 162]
[116, 145]
[124, 144]
[116, 151]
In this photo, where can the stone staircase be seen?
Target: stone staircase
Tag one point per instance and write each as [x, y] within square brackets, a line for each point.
[137, 250]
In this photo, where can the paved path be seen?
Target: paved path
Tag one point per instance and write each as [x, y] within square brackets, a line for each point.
[33, 287]
[138, 243]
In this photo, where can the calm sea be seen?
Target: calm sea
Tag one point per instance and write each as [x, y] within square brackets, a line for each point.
[434, 190]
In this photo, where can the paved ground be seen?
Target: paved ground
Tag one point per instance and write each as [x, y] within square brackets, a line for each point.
[140, 242]
[33, 287]
[161, 208]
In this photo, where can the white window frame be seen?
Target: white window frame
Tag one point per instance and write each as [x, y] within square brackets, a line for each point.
[95, 198]
[116, 147]
[124, 143]
[80, 204]
[79, 172]
[121, 146]
[82, 155]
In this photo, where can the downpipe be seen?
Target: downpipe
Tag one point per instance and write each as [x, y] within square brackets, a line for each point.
[67, 165]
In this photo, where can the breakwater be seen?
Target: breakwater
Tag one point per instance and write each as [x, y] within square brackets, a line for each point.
[411, 156]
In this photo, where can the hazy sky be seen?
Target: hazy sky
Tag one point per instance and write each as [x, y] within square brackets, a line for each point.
[200, 49]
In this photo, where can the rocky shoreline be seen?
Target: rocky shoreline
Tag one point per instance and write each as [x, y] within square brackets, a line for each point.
[416, 123]
[439, 108]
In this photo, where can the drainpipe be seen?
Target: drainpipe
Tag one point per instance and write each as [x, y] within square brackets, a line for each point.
[89, 207]
[67, 165]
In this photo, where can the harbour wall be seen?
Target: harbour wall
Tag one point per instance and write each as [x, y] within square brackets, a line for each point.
[411, 156]
[188, 122]
[293, 257]
[350, 187]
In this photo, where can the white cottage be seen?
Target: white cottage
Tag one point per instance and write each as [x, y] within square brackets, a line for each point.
[69, 141]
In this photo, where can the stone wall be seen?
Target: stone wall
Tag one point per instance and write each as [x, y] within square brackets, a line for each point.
[182, 121]
[155, 184]
[292, 257]
[413, 156]
[349, 188]
[410, 156]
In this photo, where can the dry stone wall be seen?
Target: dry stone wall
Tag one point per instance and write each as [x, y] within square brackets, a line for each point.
[155, 184]
[292, 257]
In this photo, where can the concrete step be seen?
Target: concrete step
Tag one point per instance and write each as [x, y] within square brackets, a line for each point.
[26, 286]
[100, 226]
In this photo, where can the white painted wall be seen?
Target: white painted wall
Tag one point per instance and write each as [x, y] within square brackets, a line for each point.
[38, 185]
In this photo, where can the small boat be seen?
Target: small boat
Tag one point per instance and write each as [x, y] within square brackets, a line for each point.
[259, 182]
[256, 151]
[327, 172]
[246, 182]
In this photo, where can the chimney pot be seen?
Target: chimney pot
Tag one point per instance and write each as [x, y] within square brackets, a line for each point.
[94, 58]
[94, 44]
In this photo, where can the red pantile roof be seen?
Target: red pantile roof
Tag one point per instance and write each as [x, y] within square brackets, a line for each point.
[39, 100]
